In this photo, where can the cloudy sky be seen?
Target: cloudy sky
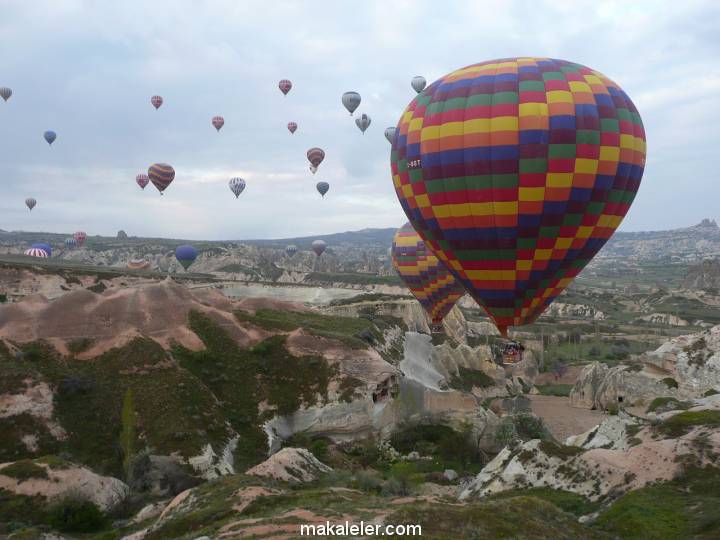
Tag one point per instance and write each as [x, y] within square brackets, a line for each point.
[87, 70]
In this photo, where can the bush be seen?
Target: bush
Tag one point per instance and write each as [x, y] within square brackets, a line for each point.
[368, 481]
[24, 469]
[670, 382]
[396, 486]
[76, 514]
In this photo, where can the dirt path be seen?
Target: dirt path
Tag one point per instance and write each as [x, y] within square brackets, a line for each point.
[563, 420]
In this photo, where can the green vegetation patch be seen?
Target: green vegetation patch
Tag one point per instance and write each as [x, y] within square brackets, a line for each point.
[79, 345]
[668, 403]
[450, 449]
[17, 511]
[562, 390]
[681, 423]
[25, 469]
[565, 500]
[467, 379]
[560, 450]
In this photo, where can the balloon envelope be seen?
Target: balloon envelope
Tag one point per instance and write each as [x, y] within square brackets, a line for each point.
[323, 188]
[50, 136]
[363, 122]
[424, 274]
[237, 185]
[418, 83]
[315, 156]
[80, 237]
[186, 255]
[291, 250]
[44, 246]
[318, 246]
[285, 86]
[5, 93]
[390, 134]
[515, 173]
[156, 101]
[218, 122]
[351, 101]
[292, 126]
[142, 180]
[36, 252]
[30, 203]
[161, 175]
[70, 243]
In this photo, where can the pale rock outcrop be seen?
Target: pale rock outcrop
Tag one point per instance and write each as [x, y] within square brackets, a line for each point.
[37, 401]
[610, 434]
[211, 465]
[295, 465]
[582, 311]
[666, 319]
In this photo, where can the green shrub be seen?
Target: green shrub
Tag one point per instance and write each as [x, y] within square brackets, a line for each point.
[670, 382]
[368, 481]
[79, 345]
[76, 514]
[668, 403]
[681, 423]
[24, 469]
[562, 390]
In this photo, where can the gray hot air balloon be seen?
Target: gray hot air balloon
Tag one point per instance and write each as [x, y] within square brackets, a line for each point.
[363, 122]
[50, 136]
[351, 100]
[390, 134]
[30, 203]
[291, 250]
[418, 83]
[322, 188]
[237, 185]
[318, 246]
[5, 93]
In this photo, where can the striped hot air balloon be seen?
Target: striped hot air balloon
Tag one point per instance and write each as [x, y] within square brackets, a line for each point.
[142, 180]
[363, 122]
[237, 186]
[218, 122]
[161, 175]
[418, 83]
[5, 93]
[427, 278]
[291, 250]
[36, 252]
[80, 238]
[30, 202]
[285, 86]
[292, 127]
[156, 101]
[516, 172]
[70, 243]
[44, 246]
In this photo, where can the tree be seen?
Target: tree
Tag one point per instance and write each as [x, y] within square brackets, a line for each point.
[127, 436]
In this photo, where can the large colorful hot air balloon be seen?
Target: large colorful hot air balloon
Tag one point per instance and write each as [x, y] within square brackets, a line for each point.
[44, 246]
[318, 246]
[291, 250]
[161, 175]
[186, 255]
[284, 86]
[218, 122]
[36, 252]
[351, 101]
[363, 122]
[156, 101]
[5, 93]
[70, 243]
[418, 83]
[315, 157]
[322, 188]
[80, 238]
[427, 278]
[390, 134]
[237, 185]
[142, 180]
[50, 137]
[292, 126]
[30, 203]
[516, 172]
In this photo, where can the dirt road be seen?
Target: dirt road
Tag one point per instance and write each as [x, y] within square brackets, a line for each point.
[563, 420]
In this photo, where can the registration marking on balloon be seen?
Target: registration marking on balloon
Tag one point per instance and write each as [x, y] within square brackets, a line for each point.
[516, 172]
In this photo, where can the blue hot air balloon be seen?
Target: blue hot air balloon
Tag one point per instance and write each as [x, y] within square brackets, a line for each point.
[70, 243]
[322, 188]
[186, 255]
[45, 247]
[50, 136]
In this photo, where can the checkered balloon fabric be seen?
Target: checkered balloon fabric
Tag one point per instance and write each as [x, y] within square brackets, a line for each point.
[516, 172]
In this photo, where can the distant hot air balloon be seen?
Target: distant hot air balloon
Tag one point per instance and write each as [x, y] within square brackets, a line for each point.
[36, 252]
[138, 263]
[323, 188]
[390, 134]
[292, 126]
[418, 83]
[50, 136]
[315, 156]
[70, 243]
[44, 246]
[80, 237]
[5, 93]
[161, 175]
[291, 250]
[363, 122]
[237, 185]
[516, 172]
[427, 278]
[186, 255]
[318, 246]
[218, 122]
[351, 100]
[30, 203]
[285, 86]
[142, 180]
[156, 101]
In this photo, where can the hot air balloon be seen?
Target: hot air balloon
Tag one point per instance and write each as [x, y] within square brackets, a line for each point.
[36, 252]
[323, 188]
[237, 185]
[418, 83]
[218, 122]
[5, 93]
[291, 250]
[390, 134]
[156, 101]
[50, 136]
[318, 246]
[315, 157]
[80, 237]
[285, 86]
[142, 180]
[363, 122]
[427, 278]
[351, 101]
[138, 263]
[30, 203]
[516, 172]
[161, 175]
[186, 255]
[292, 126]
[44, 246]
[70, 243]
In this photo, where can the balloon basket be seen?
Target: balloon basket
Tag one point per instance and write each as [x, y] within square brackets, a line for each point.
[437, 329]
